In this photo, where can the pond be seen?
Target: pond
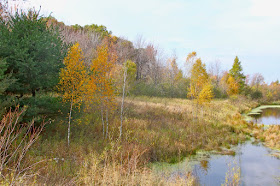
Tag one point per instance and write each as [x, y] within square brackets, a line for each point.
[256, 163]
[267, 115]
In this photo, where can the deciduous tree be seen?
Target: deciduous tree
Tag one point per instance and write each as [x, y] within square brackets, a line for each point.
[200, 86]
[233, 86]
[72, 80]
[101, 86]
[129, 75]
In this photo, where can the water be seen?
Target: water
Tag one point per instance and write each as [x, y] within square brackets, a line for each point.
[257, 166]
[269, 116]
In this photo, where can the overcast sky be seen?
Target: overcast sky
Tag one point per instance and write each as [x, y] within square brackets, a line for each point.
[217, 30]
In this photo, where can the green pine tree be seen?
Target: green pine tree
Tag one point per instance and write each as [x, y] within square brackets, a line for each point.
[33, 52]
[237, 74]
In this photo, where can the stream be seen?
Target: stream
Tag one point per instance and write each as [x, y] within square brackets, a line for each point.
[257, 164]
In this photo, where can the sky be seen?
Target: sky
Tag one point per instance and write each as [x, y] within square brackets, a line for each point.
[218, 30]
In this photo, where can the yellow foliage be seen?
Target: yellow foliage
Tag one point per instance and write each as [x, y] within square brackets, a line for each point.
[200, 86]
[179, 76]
[190, 56]
[100, 87]
[233, 87]
[206, 94]
[73, 76]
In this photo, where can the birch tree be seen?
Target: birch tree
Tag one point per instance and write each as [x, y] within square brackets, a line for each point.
[129, 75]
[72, 80]
[100, 88]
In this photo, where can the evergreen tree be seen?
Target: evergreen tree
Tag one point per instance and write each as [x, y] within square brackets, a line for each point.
[5, 82]
[33, 52]
[3, 79]
[237, 74]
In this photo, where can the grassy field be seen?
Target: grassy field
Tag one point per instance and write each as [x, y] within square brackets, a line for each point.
[154, 130]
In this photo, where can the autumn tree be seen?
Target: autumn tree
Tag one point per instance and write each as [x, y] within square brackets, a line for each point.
[206, 94]
[100, 29]
[3, 7]
[72, 80]
[233, 86]
[101, 88]
[198, 79]
[237, 74]
[173, 72]
[256, 81]
[173, 80]
[200, 87]
[190, 60]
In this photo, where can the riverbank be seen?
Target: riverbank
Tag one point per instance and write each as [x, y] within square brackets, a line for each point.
[246, 167]
[266, 133]
[154, 130]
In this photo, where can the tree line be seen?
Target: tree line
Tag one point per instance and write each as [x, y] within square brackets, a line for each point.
[88, 64]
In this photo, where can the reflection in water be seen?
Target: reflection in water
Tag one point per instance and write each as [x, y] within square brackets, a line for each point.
[269, 116]
[257, 167]
[204, 164]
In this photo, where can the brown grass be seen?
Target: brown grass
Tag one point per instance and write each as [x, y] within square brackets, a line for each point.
[154, 130]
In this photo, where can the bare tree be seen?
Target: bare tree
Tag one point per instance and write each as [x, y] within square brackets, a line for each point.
[88, 41]
[139, 42]
[125, 50]
[215, 71]
[257, 80]
[140, 56]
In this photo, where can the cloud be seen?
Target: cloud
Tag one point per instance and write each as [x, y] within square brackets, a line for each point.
[215, 29]
[265, 8]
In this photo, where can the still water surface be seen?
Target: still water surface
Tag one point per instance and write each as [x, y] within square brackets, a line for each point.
[256, 163]
[268, 116]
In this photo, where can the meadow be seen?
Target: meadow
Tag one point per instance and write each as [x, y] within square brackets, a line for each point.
[154, 130]
[81, 106]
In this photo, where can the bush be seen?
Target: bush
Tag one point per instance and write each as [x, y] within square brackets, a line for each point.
[256, 94]
[160, 90]
[42, 107]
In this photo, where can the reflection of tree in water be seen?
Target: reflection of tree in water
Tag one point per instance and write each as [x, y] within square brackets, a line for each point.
[204, 164]
[271, 112]
[268, 113]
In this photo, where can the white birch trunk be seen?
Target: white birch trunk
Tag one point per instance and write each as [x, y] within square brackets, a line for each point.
[69, 123]
[107, 123]
[102, 120]
[122, 105]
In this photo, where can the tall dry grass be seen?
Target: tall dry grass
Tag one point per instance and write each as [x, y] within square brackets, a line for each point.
[106, 170]
[16, 139]
[154, 130]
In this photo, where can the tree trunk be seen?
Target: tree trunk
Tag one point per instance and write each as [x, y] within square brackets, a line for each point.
[33, 93]
[102, 120]
[124, 81]
[107, 122]
[197, 111]
[70, 113]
